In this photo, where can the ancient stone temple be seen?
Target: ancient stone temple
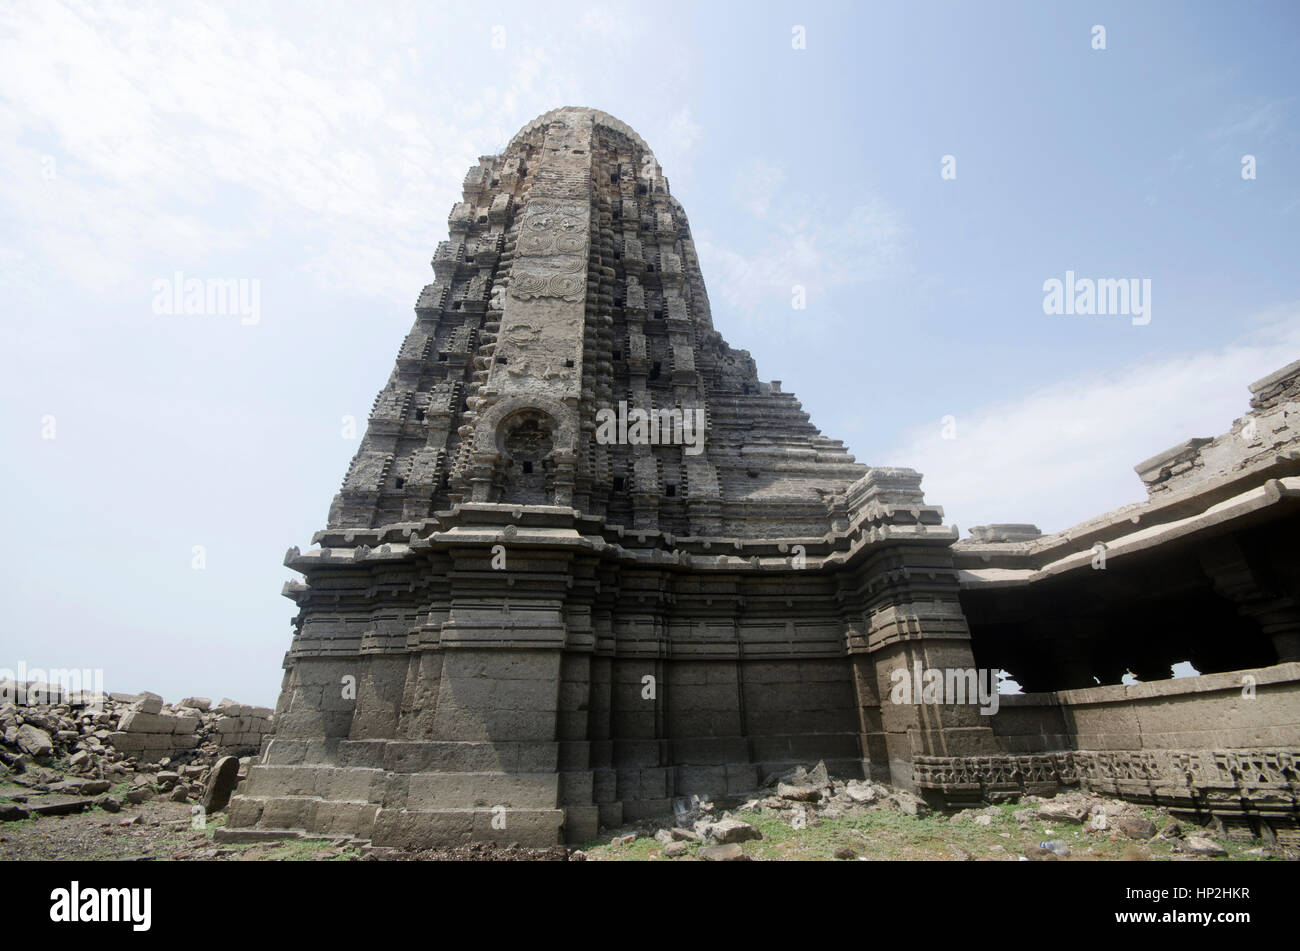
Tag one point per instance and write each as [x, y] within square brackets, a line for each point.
[586, 563]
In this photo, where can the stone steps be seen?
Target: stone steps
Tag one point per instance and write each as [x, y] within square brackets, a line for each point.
[426, 789]
[256, 819]
[429, 828]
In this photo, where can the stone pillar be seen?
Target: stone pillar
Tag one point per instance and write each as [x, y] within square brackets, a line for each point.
[915, 623]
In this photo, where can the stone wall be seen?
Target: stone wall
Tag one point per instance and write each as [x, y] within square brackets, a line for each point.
[1244, 709]
[135, 729]
[1220, 748]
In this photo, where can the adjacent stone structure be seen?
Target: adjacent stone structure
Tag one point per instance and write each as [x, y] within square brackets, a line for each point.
[585, 562]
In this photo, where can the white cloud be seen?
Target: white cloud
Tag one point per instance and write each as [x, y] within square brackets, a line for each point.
[1259, 121]
[674, 146]
[1064, 453]
[755, 185]
[156, 117]
[817, 248]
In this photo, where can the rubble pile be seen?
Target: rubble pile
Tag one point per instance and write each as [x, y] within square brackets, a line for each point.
[807, 797]
[72, 750]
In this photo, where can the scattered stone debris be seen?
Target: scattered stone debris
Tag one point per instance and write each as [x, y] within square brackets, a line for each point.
[102, 736]
[72, 750]
[475, 852]
[731, 830]
[1136, 827]
[730, 852]
[1200, 845]
[1071, 824]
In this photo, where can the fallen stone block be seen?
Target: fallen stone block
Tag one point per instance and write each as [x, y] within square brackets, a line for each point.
[731, 852]
[1199, 845]
[798, 793]
[34, 740]
[1064, 812]
[58, 806]
[1135, 827]
[83, 787]
[221, 784]
[147, 703]
[860, 793]
[731, 830]
[109, 803]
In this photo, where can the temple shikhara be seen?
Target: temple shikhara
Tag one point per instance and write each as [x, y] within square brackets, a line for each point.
[518, 628]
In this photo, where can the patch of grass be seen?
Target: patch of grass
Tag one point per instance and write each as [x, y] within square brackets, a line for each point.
[120, 789]
[887, 834]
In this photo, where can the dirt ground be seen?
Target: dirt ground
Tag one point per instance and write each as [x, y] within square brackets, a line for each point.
[162, 830]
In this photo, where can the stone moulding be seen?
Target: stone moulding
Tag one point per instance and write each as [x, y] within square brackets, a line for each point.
[506, 612]
[1248, 792]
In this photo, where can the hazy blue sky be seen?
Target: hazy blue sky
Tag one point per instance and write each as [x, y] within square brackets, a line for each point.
[318, 148]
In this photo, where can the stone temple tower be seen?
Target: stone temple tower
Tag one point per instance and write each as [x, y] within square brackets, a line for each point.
[523, 621]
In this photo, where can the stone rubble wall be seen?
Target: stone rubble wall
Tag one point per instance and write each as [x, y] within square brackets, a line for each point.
[102, 734]
[1270, 430]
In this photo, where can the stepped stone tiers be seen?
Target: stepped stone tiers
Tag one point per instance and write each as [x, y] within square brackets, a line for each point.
[547, 632]
[514, 629]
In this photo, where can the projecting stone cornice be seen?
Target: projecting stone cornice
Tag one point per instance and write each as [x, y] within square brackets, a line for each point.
[560, 528]
[1010, 565]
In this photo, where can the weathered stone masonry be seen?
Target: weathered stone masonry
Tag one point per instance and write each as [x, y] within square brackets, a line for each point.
[512, 631]
[767, 584]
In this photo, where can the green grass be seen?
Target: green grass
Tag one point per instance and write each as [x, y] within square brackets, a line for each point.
[889, 834]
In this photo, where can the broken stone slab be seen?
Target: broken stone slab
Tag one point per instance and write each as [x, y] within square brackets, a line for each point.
[1067, 812]
[1199, 845]
[137, 721]
[817, 776]
[109, 803]
[147, 702]
[202, 704]
[221, 784]
[685, 835]
[1135, 827]
[11, 812]
[675, 849]
[58, 806]
[910, 805]
[731, 830]
[731, 852]
[82, 787]
[803, 793]
[34, 740]
[860, 793]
